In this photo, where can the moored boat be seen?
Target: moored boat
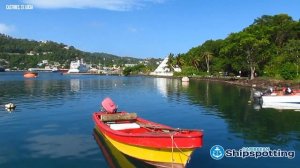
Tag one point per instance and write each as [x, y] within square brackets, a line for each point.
[282, 106]
[30, 74]
[287, 95]
[55, 69]
[154, 143]
[78, 67]
[293, 98]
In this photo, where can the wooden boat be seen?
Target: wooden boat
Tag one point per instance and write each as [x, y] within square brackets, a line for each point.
[154, 143]
[30, 74]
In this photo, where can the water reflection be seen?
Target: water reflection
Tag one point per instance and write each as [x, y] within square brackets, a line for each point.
[161, 84]
[9, 110]
[57, 146]
[29, 85]
[75, 85]
[166, 85]
[185, 84]
[222, 110]
[114, 157]
[232, 104]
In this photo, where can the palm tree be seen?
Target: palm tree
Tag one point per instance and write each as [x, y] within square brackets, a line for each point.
[171, 61]
[207, 56]
[179, 60]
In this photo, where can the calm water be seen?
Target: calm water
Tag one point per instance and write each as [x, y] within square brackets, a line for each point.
[52, 124]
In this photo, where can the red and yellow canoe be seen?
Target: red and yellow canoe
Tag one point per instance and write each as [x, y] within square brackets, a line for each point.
[151, 142]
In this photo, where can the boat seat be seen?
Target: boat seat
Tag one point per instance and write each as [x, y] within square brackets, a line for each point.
[123, 126]
[118, 117]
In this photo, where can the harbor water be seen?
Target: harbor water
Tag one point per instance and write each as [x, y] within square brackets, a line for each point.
[52, 125]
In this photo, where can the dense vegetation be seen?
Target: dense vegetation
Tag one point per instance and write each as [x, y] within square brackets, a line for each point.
[139, 69]
[268, 47]
[23, 54]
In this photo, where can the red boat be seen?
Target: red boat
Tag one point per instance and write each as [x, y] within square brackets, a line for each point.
[151, 142]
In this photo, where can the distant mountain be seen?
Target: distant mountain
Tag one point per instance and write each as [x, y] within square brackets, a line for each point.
[24, 53]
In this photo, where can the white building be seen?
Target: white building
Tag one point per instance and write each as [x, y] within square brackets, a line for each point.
[164, 70]
[44, 61]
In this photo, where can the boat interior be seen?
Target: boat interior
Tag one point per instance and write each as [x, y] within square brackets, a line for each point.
[129, 123]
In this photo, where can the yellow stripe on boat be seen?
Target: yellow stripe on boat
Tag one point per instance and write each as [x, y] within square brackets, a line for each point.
[120, 158]
[176, 156]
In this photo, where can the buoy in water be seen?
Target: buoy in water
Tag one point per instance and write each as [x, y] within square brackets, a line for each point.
[30, 74]
[10, 106]
[185, 79]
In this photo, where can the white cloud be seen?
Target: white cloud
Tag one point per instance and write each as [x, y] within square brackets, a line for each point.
[116, 5]
[6, 28]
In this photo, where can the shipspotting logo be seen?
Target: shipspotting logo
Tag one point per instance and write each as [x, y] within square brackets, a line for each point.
[217, 152]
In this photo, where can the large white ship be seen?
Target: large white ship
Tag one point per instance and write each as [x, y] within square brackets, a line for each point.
[78, 67]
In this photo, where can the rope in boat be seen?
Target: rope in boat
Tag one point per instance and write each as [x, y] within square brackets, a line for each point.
[172, 138]
[174, 143]
[172, 133]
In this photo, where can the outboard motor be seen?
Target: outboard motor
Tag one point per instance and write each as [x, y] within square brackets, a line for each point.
[109, 106]
[257, 94]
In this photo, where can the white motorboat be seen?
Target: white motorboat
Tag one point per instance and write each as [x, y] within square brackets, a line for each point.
[285, 99]
[282, 106]
[286, 96]
[273, 98]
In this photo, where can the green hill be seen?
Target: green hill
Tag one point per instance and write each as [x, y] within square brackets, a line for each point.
[23, 54]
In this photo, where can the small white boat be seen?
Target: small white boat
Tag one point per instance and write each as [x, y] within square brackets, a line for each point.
[285, 96]
[288, 99]
[282, 106]
[292, 98]
[54, 69]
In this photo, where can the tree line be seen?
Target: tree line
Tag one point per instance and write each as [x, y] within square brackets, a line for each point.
[24, 54]
[270, 47]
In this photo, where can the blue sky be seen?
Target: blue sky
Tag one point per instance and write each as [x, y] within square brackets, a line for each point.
[137, 28]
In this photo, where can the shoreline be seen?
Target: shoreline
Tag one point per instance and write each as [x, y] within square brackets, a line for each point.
[258, 82]
[255, 83]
